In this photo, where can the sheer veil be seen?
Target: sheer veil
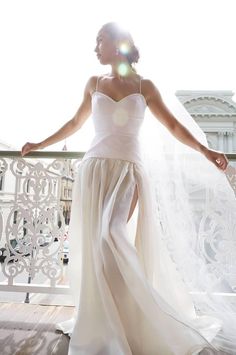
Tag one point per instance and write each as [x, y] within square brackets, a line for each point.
[195, 209]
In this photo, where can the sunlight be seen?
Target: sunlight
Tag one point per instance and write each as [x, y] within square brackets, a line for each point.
[48, 56]
[123, 69]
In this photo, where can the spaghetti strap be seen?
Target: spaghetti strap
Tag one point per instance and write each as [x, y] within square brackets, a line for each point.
[140, 85]
[97, 83]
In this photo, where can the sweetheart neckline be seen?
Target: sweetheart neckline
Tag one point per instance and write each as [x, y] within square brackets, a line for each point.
[125, 97]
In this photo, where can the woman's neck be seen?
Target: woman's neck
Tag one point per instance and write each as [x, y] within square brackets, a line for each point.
[121, 70]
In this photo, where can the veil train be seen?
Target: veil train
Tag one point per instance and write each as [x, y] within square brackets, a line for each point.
[195, 211]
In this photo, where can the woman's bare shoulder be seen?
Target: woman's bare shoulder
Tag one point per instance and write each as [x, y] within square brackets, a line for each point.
[149, 88]
[92, 80]
[91, 84]
[148, 84]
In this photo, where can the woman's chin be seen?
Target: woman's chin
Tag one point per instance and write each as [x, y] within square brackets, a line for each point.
[102, 61]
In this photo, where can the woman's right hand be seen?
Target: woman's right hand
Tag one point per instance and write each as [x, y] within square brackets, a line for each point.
[28, 147]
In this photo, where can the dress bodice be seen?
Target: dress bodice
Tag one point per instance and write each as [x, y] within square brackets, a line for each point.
[117, 125]
[122, 117]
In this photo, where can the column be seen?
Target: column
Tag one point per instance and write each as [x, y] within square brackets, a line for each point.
[230, 142]
[221, 140]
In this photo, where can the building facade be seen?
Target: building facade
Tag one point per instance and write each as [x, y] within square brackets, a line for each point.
[215, 113]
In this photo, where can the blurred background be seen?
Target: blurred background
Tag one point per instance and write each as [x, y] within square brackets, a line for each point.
[47, 55]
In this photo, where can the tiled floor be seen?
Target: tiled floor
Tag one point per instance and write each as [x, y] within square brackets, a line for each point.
[27, 329]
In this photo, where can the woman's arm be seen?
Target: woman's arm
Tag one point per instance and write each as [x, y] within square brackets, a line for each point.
[69, 127]
[166, 117]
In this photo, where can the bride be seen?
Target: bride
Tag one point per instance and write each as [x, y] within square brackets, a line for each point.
[156, 295]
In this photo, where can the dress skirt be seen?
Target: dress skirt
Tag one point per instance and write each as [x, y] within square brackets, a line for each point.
[128, 296]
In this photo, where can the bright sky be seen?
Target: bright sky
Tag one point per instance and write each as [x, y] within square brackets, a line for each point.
[47, 55]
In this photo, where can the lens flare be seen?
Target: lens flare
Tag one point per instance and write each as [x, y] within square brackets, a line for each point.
[120, 117]
[124, 48]
[123, 69]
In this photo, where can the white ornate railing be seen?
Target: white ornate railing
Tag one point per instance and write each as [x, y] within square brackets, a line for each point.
[35, 198]
[33, 192]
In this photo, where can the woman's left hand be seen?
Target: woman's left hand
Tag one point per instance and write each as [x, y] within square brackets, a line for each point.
[218, 158]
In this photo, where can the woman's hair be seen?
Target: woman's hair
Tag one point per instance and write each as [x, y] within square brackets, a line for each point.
[116, 32]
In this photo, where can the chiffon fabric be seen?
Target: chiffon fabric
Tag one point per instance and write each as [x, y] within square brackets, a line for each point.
[129, 293]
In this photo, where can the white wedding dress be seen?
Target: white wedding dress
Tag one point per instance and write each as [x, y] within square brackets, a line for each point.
[123, 307]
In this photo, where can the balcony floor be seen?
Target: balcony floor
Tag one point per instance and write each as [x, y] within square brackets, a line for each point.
[29, 329]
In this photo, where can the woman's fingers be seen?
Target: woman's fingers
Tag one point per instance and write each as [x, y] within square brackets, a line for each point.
[28, 147]
[219, 159]
[222, 161]
[25, 149]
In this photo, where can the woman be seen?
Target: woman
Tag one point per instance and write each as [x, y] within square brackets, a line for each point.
[123, 304]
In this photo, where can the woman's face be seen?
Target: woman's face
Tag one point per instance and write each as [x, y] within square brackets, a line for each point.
[105, 48]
